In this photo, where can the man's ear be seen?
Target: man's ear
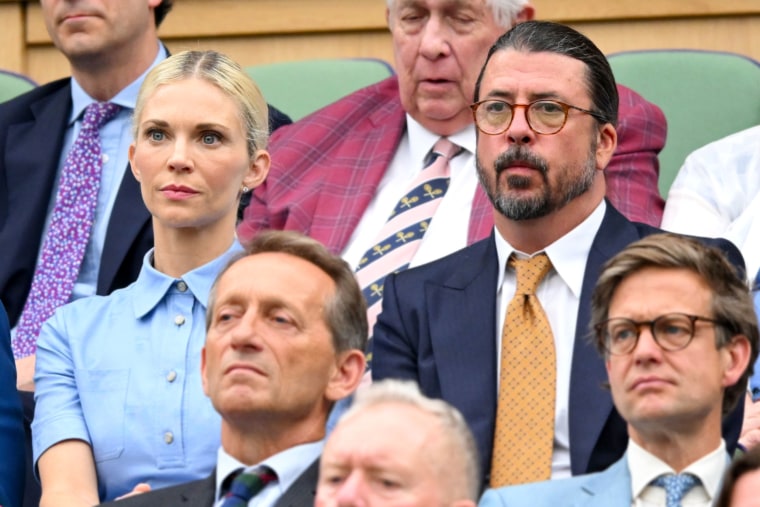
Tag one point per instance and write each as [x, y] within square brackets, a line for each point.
[526, 14]
[348, 373]
[736, 359]
[606, 143]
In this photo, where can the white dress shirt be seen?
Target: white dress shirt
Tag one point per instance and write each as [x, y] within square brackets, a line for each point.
[646, 467]
[717, 193]
[448, 229]
[288, 465]
[559, 293]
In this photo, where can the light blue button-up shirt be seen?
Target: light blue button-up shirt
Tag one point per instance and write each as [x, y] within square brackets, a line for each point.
[122, 372]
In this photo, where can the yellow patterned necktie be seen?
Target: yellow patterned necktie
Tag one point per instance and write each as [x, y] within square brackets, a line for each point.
[524, 430]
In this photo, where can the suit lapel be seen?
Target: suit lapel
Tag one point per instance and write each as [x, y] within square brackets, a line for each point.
[133, 216]
[303, 490]
[462, 316]
[200, 493]
[32, 167]
[32, 150]
[610, 487]
[349, 187]
[590, 405]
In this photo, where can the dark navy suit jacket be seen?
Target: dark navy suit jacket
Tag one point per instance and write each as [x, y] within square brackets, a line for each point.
[201, 493]
[11, 424]
[438, 326]
[32, 128]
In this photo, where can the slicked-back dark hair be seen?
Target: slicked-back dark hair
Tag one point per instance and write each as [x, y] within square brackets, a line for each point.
[548, 37]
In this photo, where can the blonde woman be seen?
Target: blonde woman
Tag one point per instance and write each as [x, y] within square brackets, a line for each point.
[118, 390]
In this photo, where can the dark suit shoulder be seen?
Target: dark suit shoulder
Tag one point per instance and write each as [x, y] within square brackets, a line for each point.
[470, 258]
[731, 251]
[18, 107]
[277, 118]
[303, 490]
[198, 493]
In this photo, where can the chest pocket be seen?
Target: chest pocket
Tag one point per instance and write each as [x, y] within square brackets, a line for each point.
[103, 394]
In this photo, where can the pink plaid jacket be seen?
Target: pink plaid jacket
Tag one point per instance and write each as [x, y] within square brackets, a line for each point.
[326, 167]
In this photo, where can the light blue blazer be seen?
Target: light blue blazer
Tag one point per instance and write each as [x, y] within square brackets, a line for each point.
[610, 488]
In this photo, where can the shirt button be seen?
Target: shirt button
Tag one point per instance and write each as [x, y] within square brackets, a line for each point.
[181, 286]
[168, 437]
[171, 376]
[104, 158]
[179, 320]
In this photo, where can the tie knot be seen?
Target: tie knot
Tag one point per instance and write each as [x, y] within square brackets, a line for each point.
[443, 148]
[98, 113]
[248, 484]
[530, 272]
[676, 486]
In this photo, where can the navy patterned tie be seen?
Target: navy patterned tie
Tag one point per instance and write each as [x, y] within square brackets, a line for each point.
[69, 231]
[247, 485]
[402, 234]
[676, 487]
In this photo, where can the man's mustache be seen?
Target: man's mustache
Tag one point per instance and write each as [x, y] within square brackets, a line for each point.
[522, 155]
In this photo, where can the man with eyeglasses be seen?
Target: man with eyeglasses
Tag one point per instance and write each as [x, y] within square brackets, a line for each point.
[498, 329]
[676, 328]
[340, 174]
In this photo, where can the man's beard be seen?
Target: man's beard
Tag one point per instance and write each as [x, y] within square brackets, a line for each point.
[568, 186]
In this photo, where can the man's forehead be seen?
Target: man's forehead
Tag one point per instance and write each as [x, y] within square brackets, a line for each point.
[509, 69]
[442, 4]
[275, 271]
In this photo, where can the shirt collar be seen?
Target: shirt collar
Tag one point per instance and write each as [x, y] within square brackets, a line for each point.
[421, 140]
[646, 467]
[567, 254]
[288, 464]
[126, 98]
[152, 285]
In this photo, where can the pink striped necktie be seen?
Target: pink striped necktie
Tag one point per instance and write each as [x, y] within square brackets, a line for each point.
[402, 234]
[69, 230]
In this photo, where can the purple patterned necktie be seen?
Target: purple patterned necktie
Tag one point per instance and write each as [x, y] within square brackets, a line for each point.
[68, 232]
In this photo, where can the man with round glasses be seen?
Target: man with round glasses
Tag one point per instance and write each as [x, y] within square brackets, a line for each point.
[498, 329]
[677, 331]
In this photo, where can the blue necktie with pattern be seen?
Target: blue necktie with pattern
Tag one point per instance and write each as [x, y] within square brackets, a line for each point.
[676, 487]
[247, 485]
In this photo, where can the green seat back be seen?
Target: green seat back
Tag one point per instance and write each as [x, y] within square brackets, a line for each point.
[705, 95]
[301, 87]
[12, 84]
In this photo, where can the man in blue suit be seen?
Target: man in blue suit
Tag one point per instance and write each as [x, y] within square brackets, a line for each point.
[675, 326]
[546, 110]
